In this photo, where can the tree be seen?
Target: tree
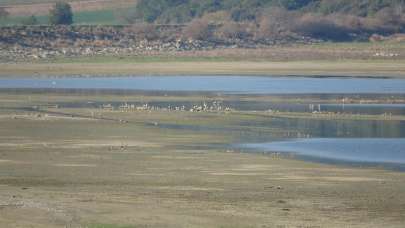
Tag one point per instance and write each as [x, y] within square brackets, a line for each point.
[61, 14]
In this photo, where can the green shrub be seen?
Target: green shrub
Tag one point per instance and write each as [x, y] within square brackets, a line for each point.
[61, 14]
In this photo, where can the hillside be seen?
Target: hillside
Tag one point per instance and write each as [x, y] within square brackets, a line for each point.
[240, 10]
[324, 19]
[257, 20]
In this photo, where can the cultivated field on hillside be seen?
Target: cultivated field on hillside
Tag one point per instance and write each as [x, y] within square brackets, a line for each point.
[14, 2]
[42, 7]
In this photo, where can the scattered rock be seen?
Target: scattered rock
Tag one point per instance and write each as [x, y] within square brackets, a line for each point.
[24, 43]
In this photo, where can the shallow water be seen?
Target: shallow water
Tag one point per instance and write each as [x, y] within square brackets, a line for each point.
[372, 109]
[225, 84]
[321, 128]
[368, 150]
[375, 142]
[370, 141]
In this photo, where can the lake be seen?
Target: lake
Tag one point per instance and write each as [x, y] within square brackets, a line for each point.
[225, 84]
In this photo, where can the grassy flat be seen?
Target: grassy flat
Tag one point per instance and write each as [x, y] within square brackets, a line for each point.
[178, 67]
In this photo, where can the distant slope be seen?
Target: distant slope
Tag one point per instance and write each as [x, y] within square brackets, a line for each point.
[336, 20]
[177, 11]
[255, 20]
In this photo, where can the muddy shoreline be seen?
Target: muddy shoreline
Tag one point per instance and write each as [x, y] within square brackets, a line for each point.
[82, 170]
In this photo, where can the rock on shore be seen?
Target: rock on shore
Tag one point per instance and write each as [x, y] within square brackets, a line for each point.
[29, 43]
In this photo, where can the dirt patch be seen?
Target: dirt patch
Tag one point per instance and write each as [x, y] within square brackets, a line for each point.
[14, 162]
[188, 188]
[174, 157]
[254, 167]
[75, 165]
[236, 174]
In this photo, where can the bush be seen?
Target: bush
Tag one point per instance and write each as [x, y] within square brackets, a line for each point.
[143, 31]
[269, 28]
[61, 14]
[198, 29]
[322, 28]
[243, 14]
[234, 30]
[218, 17]
[391, 20]
[176, 15]
[294, 4]
[274, 22]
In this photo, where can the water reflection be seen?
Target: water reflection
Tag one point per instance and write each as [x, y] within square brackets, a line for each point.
[228, 84]
[376, 150]
[339, 128]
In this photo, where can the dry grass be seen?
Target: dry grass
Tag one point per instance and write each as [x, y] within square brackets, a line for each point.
[321, 68]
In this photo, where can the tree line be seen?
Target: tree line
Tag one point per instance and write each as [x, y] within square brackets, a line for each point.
[337, 20]
[180, 11]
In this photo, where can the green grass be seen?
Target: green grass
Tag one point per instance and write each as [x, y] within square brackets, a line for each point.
[105, 17]
[11, 21]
